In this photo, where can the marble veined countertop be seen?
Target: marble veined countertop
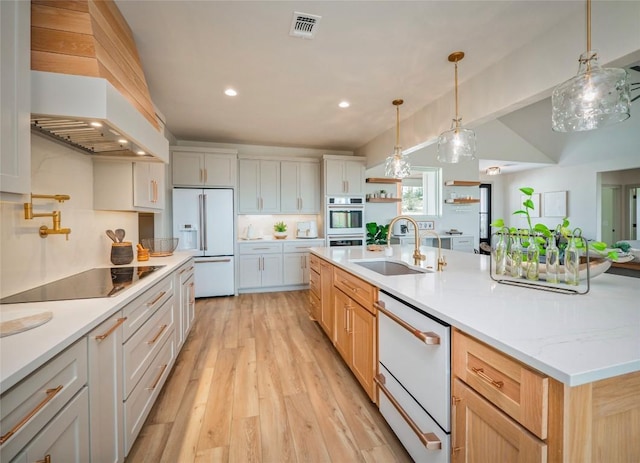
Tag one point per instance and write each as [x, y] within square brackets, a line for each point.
[576, 339]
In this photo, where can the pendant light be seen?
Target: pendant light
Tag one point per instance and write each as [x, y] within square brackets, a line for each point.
[457, 144]
[594, 98]
[397, 164]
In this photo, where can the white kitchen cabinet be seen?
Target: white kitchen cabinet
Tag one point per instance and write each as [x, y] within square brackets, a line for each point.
[105, 390]
[260, 265]
[128, 186]
[300, 187]
[185, 308]
[259, 186]
[343, 176]
[197, 167]
[15, 97]
[462, 243]
[296, 261]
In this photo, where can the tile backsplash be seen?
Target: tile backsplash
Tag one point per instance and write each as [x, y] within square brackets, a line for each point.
[26, 260]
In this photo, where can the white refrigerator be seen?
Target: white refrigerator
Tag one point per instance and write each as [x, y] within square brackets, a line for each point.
[203, 220]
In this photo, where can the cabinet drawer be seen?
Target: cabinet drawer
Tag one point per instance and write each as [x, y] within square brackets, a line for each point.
[144, 345]
[314, 282]
[260, 248]
[141, 308]
[359, 290]
[301, 245]
[314, 307]
[139, 403]
[521, 393]
[30, 404]
[314, 263]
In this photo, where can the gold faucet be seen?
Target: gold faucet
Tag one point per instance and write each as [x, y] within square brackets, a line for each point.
[442, 263]
[417, 255]
[56, 215]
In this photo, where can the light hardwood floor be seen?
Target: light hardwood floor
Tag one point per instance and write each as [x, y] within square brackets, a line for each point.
[257, 381]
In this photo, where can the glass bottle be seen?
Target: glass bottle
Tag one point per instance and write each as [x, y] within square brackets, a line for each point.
[532, 268]
[500, 252]
[553, 254]
[516, 256]
[572, 262]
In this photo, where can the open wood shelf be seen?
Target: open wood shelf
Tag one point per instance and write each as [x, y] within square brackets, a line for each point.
[384, 200]
[461, 201]
[461, 183]
[384, 180]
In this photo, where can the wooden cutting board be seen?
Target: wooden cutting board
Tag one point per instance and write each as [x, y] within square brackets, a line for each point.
[19, 321]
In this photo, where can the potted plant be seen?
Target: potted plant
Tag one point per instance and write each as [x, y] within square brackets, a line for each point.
[376, 236]
[280, 230]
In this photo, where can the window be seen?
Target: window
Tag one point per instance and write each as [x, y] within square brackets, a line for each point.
[422, 192]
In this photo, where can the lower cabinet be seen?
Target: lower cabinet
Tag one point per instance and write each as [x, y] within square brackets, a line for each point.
[186, 303]
[260, 265]
[326, 299]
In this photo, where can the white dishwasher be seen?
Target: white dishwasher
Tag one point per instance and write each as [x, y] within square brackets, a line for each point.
[414, 374]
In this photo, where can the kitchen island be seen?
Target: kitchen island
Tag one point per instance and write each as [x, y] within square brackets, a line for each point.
[535, 375]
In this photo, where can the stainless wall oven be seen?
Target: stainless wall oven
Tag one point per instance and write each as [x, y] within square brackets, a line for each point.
[345, 215]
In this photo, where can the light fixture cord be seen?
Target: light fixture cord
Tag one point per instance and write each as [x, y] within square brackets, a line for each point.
[588, 25]
[397, 125]
[456, 92]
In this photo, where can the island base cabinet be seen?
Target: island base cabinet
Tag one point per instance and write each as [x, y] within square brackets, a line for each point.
[65, 438]
[482, 433]
[363, 342]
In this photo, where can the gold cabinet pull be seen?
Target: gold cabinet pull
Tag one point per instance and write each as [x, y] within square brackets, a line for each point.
[46, 459]
[480, 372]
[155, 338]
[428, 439]
[155, 383]
[51, 393]
[152, 303]
[349, 287]
[119, 322]
[428, 337]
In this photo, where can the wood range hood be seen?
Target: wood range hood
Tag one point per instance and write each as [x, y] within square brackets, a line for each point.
[85, 72]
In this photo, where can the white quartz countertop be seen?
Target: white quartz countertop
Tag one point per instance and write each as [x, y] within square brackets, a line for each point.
[576, 339]
[22, 353]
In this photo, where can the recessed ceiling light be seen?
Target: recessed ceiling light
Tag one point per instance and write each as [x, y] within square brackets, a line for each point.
[140, 153]
[96, 124]
[230, 92]
[344, 104]
[123, 141]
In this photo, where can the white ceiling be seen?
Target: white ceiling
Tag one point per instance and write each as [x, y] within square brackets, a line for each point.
[366, 52]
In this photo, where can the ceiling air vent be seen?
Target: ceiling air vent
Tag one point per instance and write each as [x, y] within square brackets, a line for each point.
[304, 25]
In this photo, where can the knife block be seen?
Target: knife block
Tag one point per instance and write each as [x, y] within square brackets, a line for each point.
[121, 253]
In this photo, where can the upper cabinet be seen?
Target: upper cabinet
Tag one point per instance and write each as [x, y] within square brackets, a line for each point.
[15, 135]
[128, 186]
[343, 175]
[203, 167]
[300, 187]
[259, 186]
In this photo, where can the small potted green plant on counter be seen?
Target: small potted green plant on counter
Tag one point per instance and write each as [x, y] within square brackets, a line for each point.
[280, 230]
[376, 236]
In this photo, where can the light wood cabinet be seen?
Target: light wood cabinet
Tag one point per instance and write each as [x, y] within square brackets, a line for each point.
[364, 348]
[300, 187]
[198, 167]
[342, 306]
[15, 97]
[259, 186]
[128, 186]
[343, 176]
[326, 298]
[105, 392]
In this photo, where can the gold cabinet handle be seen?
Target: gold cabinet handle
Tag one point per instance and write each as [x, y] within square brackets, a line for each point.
[155, 383]
[119, 322]
[428, 439]
[349, 287]
[51, 393]
[205, 176]
[155, 338]
[428, 337]
[46, 459]
[152, 303]
[480, 372]
[201, 175]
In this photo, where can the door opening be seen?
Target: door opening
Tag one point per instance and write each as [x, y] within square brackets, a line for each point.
[485, 216]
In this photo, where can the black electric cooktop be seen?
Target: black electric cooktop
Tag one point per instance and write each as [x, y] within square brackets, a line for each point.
[94, 283]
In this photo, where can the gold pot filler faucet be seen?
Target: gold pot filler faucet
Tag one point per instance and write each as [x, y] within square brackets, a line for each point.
[417, 255]
[56, 215]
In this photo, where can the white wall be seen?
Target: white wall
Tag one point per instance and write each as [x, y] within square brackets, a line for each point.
[26, 259]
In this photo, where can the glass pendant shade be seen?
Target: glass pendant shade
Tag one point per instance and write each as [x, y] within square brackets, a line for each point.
[456, 145]
[397, 165]
[594, 98]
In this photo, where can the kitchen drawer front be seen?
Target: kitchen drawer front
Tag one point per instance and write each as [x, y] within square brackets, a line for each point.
[421, 367]
[140, 309]
[139, 403]
[66, 437]
[260, 248]
[37, 398]
[357, 289]
[520, 392]
[314, 307]
[314, 263]
[314, 282]
[145, 344]
[429, 451]
[301, 245]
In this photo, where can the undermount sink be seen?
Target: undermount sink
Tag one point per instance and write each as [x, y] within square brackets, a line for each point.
[390, 267]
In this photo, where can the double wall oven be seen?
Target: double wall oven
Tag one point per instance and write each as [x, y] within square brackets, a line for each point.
[344, 221]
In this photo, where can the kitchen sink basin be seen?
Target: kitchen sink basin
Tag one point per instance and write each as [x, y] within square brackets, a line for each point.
[390, 267]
